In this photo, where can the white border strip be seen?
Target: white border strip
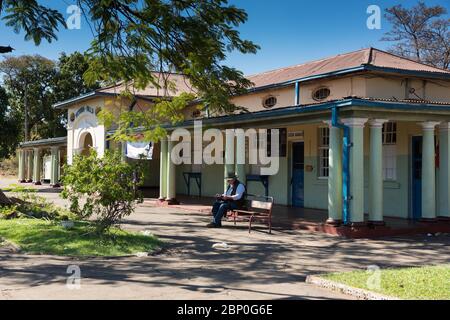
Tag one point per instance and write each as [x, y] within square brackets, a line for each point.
[352, 291]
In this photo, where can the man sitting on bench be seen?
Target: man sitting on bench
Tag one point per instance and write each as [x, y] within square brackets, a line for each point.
[232, 199]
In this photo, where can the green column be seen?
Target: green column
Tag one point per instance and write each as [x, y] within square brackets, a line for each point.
[171, 175]
[444, 170]
[54, 181]
[335, 177]
[123, 148]
[163, 170]
[29, 176]
[356, 169]
[21, 155]
[240, 154]
[37, 166]
[376, 172]
[229, 154]
[428, 172]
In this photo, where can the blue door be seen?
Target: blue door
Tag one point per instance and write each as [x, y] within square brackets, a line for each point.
[298, 172]
[416, 177]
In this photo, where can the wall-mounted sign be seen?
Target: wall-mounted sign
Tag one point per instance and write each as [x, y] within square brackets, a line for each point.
[84, 109]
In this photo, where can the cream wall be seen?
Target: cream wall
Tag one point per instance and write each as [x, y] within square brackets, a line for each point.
[398, 88]
[85, 123]
[371, 86]
[340, 88]
[254, 101]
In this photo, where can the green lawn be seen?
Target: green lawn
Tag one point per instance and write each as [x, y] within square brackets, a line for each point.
[19, 188]
[406, 283]
[46, 237]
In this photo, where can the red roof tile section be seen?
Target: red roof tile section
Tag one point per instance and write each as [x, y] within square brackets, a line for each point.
[368, 56]
[177, 84]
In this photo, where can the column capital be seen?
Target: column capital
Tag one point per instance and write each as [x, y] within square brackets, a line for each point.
[377, 123]
[355, 122]
[54, 148]
[429, 125]
[328, 123]
[444, 126]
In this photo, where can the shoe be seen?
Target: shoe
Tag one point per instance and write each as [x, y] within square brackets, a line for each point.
[213, 225]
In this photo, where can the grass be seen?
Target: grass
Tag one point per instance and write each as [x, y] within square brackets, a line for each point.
[47, 237]
[421, 283]
[18, 188]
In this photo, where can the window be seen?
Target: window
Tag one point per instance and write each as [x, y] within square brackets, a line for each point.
[390, 133]
[390, 151]
[321, 93]
[282, 142]
[324, 146]
[269, 102]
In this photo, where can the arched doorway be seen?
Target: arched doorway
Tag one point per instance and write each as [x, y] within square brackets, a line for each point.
[86, 144]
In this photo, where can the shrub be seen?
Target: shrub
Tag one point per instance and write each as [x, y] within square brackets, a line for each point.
[8, 212]
[101, 188]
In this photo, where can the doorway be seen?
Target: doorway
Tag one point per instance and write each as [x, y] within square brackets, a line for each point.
[298, 174]
[416, 177]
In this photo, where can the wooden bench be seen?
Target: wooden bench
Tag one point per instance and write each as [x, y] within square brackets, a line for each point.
[258, 209]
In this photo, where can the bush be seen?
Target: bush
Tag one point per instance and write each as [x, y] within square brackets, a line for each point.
[101, 188]
[9, 212]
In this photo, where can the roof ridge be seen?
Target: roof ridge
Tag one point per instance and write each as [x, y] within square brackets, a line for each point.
[308, 62]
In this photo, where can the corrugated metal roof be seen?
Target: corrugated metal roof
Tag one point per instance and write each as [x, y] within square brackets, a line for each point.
[363, 57]
[355, 61]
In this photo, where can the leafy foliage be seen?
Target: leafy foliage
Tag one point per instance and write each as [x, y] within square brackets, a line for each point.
[29, 82]
[420, 33]
[9, 128]
[162, 112]
[37, 21]
[134, 40]
[102, 188]
[38, 82]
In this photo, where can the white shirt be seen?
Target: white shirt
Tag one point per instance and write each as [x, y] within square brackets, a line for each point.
[239, 192]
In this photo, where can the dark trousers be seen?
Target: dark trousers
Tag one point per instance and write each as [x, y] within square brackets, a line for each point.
[220, 208]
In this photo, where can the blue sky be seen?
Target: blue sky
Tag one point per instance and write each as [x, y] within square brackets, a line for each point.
[288, 31]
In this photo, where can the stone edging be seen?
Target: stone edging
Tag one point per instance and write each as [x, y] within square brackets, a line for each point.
[352, 291]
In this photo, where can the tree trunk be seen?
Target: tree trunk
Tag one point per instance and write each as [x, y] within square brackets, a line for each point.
[4, 199]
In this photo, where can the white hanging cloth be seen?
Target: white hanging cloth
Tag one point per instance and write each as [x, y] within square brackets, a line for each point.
[140, 150]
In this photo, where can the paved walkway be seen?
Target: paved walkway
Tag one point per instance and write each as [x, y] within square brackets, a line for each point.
[256, 266]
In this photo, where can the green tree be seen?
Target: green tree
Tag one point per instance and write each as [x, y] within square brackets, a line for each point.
[69, 81]
[29, 82]
[9, 129]
[133, 39]
[420, 33]
[101, 188]
[35, 83]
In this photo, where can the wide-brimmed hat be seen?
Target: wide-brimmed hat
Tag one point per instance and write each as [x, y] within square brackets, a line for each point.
[231, 175]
